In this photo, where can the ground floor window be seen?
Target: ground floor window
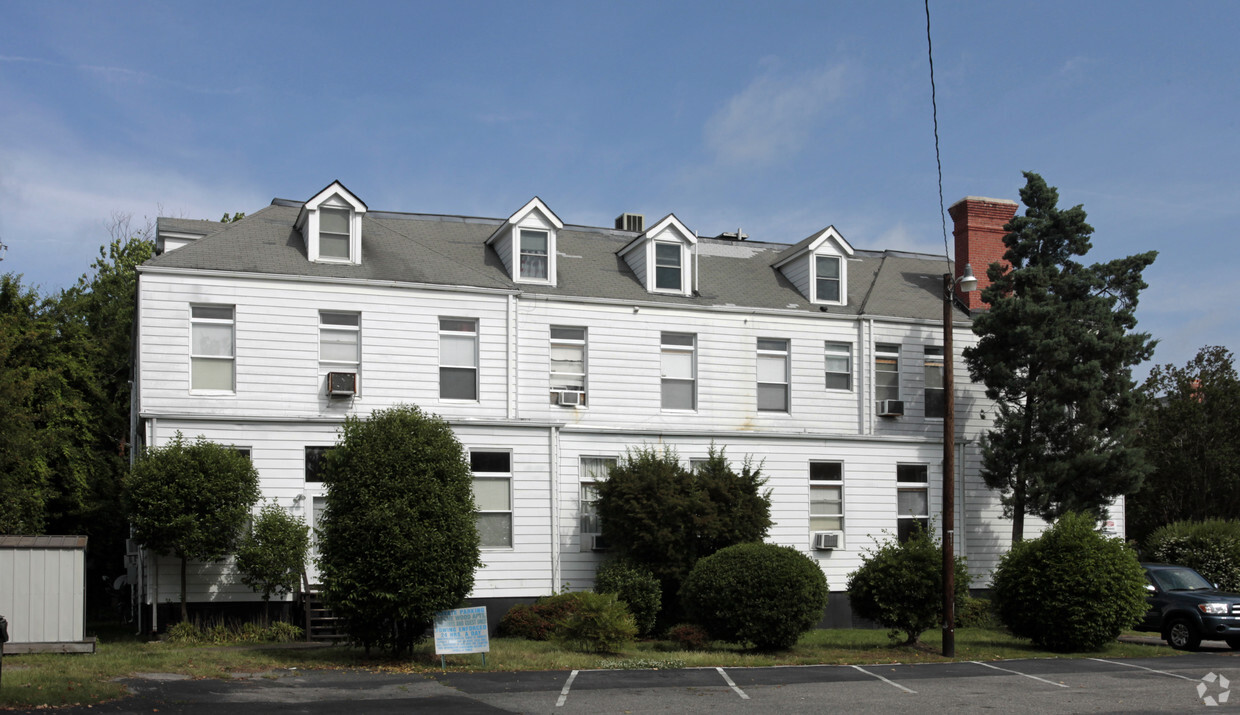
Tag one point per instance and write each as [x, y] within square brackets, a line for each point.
[826, 496]
[912, 499]
[493, 497]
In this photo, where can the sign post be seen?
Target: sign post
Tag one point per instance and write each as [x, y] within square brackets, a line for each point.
[462, 630]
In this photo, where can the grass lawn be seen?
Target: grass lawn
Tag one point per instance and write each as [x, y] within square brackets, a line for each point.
[56, 679]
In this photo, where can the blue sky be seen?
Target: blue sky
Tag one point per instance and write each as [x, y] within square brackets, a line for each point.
[778, 118]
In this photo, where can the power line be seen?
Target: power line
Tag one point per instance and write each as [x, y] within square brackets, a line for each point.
[934, 107]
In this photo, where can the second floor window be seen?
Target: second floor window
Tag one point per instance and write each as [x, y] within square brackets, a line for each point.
[679, 371]
[667, 273]
[772, 375]
[458, 359]
[936, 395]
[568, 365]
[212, 350]
[839, 366]
[886, 371]
[534, 254]
[340, 339]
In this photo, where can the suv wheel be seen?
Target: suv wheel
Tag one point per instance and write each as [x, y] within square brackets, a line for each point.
[1182, 635]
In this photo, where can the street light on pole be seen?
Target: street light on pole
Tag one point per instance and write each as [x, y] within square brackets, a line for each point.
[967, 283]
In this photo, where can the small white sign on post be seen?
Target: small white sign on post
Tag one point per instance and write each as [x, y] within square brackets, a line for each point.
[462, 630]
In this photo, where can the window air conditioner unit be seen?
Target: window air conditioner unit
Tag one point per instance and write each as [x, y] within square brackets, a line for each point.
[341, 384]
[828, 540]
[890, 408]
[570, 397]
[598, 543]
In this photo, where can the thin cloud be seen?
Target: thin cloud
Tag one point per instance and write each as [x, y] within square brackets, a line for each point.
[123, 74]
[771, 119]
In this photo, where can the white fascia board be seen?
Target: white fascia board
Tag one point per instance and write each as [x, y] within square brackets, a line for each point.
[336, 189]
[181, 234]
[811, 245]
[534, 204]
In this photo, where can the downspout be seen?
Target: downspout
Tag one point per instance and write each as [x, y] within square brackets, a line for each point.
[553, 449]
[867, 368]
[511, 356]
[695, 264]
[153, 588]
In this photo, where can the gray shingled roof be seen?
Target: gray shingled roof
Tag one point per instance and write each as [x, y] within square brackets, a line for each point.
[451, 250]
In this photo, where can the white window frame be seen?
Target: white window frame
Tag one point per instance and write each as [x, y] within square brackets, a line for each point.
[933, 363]
[547, 255]
[886, 354]
[766, 348]
[842, 285]
[323, 211]
[312, 466]
[566, 343]
[588, 495]
[355, 329]
[195, 357]
[904, 521]
[485, 476]
[820, 487]
[442, 366]
[670, 349]
[838, 350]
[656, 265]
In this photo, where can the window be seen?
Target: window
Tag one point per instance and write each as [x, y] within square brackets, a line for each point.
[314, 463]
[667, 274]
[936, 396]
[679, 371]
[696, 463]
[912, 499]
[826, 496]
[886, 371]
[534, 254]
[211, 348]
[839, 366]
[593, 471]
[568, 365]
[772, 375]
[458, 359]
[827, 270]
[339, 343]
[334, 233]
[493, 497]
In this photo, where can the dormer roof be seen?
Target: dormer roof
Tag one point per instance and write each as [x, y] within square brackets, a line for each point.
[534, 204]
[659, 228]
[827, 236]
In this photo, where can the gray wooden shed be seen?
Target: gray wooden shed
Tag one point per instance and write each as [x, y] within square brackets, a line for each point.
[43, 593]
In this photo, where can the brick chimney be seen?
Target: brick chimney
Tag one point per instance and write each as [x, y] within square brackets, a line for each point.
[978, 227]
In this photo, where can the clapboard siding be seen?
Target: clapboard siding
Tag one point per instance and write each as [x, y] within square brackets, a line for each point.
[797, 272]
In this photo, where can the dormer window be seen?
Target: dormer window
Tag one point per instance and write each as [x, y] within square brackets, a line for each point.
[534, 254]
[827, 280]
[667, 272]
[334, 233]
[331, 224]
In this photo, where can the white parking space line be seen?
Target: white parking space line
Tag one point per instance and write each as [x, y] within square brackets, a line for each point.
[1017, 672]
[876, 675]
[732, 685]
[1142, 667]
[564, 693]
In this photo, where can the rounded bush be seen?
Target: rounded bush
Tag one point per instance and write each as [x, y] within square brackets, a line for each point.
[1071, 589]
[900, 585]
[756, 593]
[689, 636]
[636, 586]
[597, 623]
[537, 621]
[1211, 547]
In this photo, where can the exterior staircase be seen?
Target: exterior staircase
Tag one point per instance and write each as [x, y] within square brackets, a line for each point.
[321, 624]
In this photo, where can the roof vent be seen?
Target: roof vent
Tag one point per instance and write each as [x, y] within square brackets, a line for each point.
[631, 222]
[738, 236]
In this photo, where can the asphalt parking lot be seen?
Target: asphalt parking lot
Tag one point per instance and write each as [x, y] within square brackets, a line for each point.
[1035, 685]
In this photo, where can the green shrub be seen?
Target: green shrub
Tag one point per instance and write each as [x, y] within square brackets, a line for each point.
[689, 636]
[184, 632]
[636, 586]
[900, 585]
[283, 632]
[1210, 547]
[537, 621]
[598, 623]
[1072, 589]
[251, 632]
[975, 613]
[756, 593]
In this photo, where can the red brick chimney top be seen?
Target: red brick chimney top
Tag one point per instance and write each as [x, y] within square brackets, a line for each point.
[978, 227]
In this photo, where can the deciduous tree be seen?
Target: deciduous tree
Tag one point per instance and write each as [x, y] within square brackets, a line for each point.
[1055, 351]
[272, 554]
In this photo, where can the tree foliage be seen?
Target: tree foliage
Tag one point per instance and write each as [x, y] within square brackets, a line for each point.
[1189, 432]
[272, 554]
[900, 585]
[190, 499]
[665, 517]
[398, 540]
[1055, 352]
[1210, 547]
[1071, 589]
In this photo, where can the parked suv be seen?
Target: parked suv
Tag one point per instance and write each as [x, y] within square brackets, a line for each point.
[1185, 608]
